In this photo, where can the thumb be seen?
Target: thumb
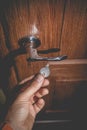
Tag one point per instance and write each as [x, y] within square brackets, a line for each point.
[33, 87]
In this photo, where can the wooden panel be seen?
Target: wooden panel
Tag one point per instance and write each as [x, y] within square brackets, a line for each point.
[7, 72]
[70, 70]
[68, 77]
[74, 33]
[21, 18]
[3, 48]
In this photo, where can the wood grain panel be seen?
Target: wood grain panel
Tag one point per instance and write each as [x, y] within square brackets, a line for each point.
[3, 48]
[68, 78]
[70, 70]
[74, 33]
[7, 73]
[42, 18]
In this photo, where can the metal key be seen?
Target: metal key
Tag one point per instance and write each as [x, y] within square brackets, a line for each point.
[45, 71]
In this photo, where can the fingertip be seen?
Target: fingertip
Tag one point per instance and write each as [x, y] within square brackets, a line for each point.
[41, 102]
[39, 78]
[46, 82]
[39, 105]
[45, 91]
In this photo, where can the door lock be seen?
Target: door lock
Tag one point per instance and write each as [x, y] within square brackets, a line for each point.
[31, 43]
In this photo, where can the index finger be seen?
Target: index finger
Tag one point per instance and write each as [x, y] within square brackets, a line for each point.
[33, 88]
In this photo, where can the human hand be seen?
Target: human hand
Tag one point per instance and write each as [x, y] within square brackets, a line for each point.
[22, 113]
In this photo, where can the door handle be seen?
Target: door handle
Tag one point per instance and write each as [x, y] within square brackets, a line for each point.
[31, 43]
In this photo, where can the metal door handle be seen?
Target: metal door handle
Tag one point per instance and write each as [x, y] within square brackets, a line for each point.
[30, 43]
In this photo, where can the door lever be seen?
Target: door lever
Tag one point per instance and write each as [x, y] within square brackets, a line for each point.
[52, 50]
[30, 43]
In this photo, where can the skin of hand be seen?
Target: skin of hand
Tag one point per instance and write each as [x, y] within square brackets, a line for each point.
[22, 113]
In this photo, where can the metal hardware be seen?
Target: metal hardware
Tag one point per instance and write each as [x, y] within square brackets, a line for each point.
[32, 40]
[30, 43]
[45, 71]
[53, 50]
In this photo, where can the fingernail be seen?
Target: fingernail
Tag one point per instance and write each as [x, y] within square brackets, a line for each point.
[39, 78]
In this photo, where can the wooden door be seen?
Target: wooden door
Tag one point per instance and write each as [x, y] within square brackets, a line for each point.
[58, 24]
